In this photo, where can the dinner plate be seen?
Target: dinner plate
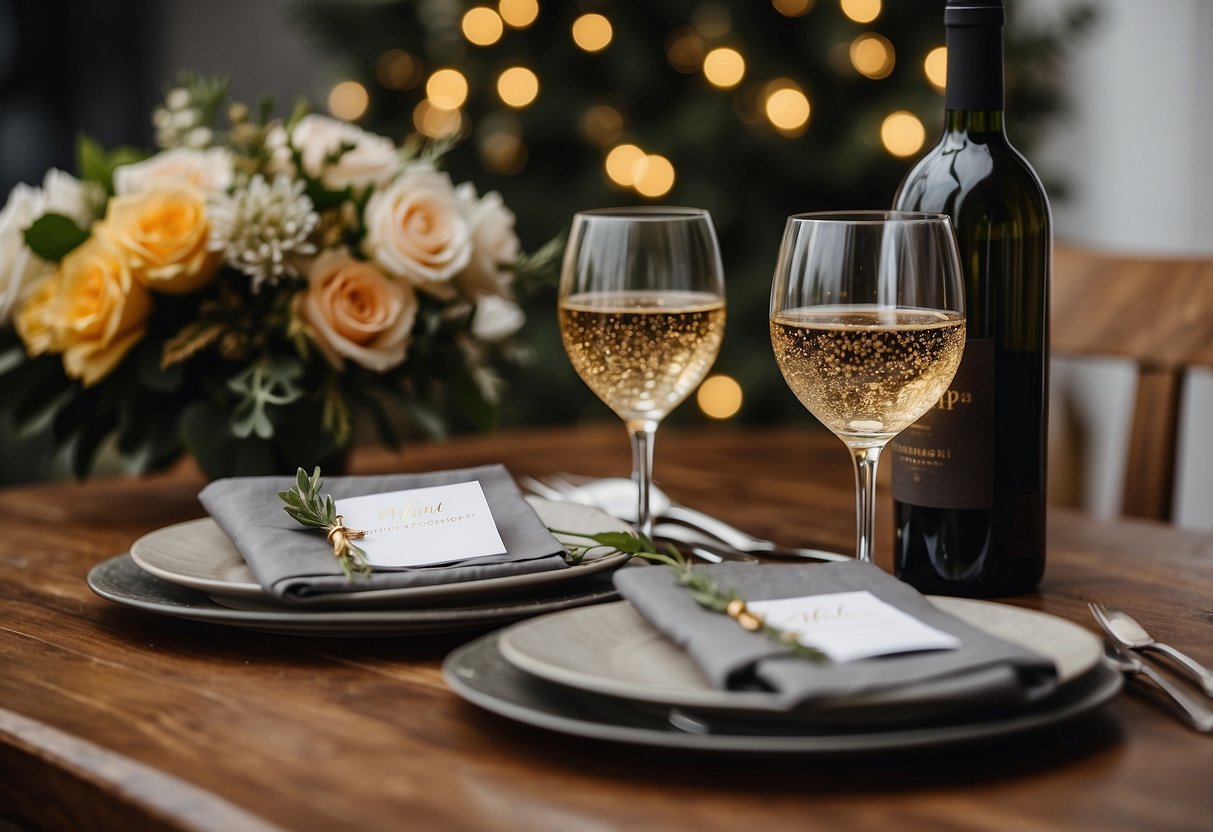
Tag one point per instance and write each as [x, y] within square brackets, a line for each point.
[612, 650]
[479, 672]
[120, 580]
[198, 554]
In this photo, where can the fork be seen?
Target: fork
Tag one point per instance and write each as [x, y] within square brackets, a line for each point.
[1193, 712]
[1123, 629]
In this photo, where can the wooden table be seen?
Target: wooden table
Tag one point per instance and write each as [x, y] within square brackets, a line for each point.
[114, 719]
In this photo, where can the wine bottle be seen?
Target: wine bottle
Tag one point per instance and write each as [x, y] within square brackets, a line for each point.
[969, 477]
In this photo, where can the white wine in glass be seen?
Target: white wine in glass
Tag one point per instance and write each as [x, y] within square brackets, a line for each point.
[868, 327]
[642, 315]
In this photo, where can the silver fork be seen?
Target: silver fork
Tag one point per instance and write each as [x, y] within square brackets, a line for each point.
[1123, 629]
[1193, 712]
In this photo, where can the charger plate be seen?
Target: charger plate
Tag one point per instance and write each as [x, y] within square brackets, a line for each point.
[199, 555]
[612, 650]
[120, 580]
[482, 675]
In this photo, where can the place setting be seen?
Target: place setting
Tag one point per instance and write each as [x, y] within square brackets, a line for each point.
[447, 551]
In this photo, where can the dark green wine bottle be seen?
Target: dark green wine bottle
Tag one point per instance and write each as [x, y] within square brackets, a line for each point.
[969, 477]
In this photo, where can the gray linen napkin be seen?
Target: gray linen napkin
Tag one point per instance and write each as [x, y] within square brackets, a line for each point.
[295, 563]
[984, 670]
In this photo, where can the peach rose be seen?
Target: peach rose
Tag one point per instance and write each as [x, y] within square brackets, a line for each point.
[164, 233]
[92, 310]
[415, 230]
[355, 311]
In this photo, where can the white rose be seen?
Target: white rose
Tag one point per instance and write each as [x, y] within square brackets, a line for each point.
[67, 195]
[20, 268]
[496, 318]
[372, 160]
[210, 171]
[494, 243]
[415, 230]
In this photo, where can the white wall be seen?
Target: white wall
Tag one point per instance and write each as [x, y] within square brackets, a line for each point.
[1137, 153]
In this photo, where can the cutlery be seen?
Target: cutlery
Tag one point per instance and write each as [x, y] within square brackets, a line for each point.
[1126, 632]
[689, 536]
[1194, 713]
[616, 496]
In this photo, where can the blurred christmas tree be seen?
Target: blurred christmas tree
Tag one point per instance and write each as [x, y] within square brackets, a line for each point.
[749, 108]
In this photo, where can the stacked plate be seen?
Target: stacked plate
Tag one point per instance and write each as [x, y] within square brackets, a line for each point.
[192, 570]
[604, 673]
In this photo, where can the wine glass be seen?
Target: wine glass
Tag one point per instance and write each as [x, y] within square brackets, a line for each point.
[641, 308]
[868, 326]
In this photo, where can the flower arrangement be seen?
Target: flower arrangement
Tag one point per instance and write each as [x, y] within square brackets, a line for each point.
[245, 294]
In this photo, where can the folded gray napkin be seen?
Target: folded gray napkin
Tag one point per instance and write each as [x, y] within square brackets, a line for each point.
[983, 670]
[296, 563]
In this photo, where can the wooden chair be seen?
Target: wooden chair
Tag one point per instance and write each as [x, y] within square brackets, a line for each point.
[1156, 311]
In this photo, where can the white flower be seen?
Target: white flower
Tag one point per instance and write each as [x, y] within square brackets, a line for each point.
[494, 243]
[415, 230]
[279, 151]
[496, 318]
[20, 268]
[262, 229]
[370, 159]
[210, 171]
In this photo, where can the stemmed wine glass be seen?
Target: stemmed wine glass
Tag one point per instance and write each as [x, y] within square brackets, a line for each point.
[868, 326]
[641, 307]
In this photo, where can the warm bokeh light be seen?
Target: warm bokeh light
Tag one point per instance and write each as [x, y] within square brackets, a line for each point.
[398, 70]
[724, 67]
[621, 164]
[601, 125]
[503, 152]
[592, 32]
[861, 11]
[482, 26]
[653, 175]
[793, 8]
[719, 397]
[447, 89]
[685, 49]
[902, 133]
[436, 122]
[786, 106]
[518, 86]
[348, 100]
[872, 55]
[518, 13]
[936, 67]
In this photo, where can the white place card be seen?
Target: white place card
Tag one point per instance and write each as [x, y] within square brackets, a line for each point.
[851, 625]
[423, 526]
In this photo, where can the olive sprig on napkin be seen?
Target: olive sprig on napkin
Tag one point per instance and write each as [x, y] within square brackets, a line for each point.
[309, 507]
[706, 592]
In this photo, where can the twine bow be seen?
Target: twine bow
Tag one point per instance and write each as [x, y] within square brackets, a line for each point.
[308, 506]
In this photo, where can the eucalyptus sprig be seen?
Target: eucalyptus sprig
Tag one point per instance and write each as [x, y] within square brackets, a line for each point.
[706, 592]
[305, 504]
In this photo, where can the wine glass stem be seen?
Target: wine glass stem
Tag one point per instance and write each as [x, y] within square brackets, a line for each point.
[642, 432]
[865, 460]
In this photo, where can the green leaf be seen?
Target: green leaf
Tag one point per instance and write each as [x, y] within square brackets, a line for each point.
[96, 165]
[53, 236]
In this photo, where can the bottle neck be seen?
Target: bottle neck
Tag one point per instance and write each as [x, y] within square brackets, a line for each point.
[974, 121]
[974, 40]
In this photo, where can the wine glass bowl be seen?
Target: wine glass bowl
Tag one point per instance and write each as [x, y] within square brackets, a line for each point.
[641, 312]
[867, 326]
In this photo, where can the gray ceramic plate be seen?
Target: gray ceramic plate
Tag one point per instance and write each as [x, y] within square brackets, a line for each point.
[121, 581]
[481, 674]
[199, 555]
[612, 650]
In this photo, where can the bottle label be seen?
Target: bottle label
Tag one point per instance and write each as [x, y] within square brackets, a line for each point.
[945, 459]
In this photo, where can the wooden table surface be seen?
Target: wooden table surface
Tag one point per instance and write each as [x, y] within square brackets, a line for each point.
[115, 719]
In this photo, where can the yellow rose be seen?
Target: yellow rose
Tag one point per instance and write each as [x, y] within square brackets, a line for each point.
[355, 311]
[164, 232]
[92, 310]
